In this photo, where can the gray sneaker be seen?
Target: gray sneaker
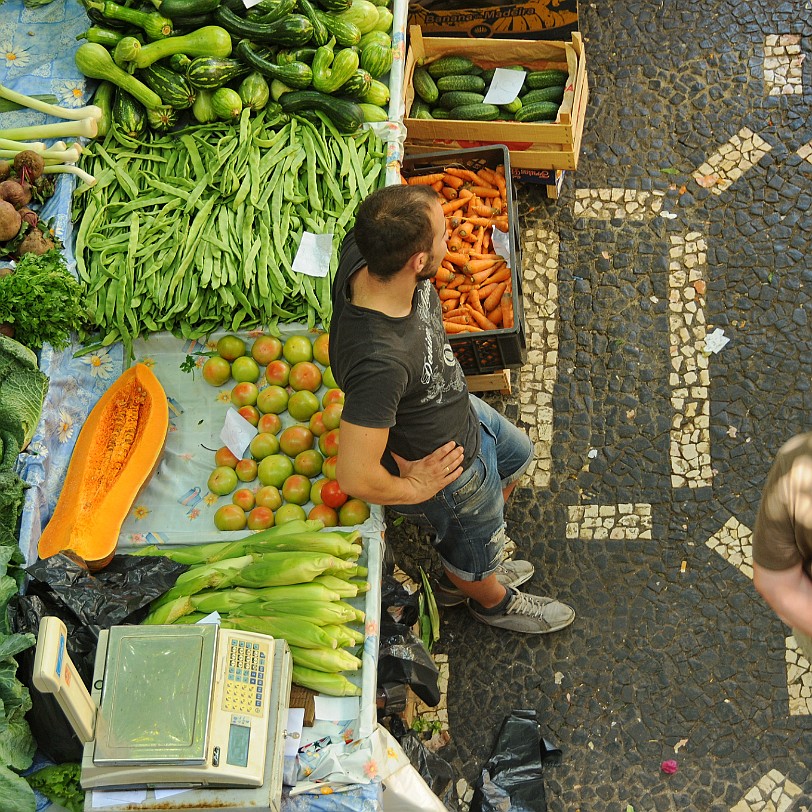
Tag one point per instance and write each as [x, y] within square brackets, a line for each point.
[530, 614]
[508, 573]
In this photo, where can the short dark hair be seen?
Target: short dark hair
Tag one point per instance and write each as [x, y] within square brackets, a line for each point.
[393, 224]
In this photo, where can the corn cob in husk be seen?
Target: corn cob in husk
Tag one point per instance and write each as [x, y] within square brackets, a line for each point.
[332, 684]
[329, 660]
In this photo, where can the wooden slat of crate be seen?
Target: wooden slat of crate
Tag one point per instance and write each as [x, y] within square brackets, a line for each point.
[493, 382]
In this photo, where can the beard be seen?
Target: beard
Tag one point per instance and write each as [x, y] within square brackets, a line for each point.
[430, 268]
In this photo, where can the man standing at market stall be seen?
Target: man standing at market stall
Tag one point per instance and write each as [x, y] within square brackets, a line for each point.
[411, 434]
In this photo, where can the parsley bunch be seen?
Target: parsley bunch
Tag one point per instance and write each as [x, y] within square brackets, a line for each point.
[41, 300]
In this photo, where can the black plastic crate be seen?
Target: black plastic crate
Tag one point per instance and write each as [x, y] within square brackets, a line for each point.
[492, 350]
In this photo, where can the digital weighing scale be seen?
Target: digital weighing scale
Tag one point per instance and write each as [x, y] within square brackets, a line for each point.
[175, 706]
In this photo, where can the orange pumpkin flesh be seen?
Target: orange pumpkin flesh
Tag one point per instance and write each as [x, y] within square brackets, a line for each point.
[116, 452]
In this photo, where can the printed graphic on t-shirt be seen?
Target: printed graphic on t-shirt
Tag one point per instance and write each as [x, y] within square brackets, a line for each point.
[440, 373]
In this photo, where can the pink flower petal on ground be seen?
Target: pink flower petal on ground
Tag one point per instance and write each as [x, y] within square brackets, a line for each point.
[669, 767]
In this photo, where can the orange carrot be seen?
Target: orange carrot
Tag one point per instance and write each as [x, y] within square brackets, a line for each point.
[448, 192]
[465, 287]
[425, 180]
[461, 328]
[456, 257]
[463, 318]
[500, 221]
[458, 279]
[482, 320]
[452, 180]
[454, 311]
[444, 275]
[484, 191]
[507, 310]
[453, 205]
[479, 238]
[454, 244]
[484, 210]
[494, 298]
[465, 174]
[487, 175]
[461, 231]
[473, 301]
[486, 290]
[448, 293]
[490, 255]
[474, 266]
[499, 273]
[495, 315]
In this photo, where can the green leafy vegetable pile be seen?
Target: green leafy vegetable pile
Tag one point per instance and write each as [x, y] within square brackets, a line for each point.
[60, 784]
[41, 300]
[22, 392]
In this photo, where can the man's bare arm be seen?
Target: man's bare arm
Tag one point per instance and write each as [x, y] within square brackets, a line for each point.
[788, 592]
[360, 473]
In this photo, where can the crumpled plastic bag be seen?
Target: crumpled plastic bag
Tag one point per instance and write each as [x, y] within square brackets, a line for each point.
[512, 778]
[86, 603]
[433, 769]
[403, 659]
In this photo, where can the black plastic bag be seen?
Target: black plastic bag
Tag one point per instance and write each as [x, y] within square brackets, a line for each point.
[433, 769]
[512, 778]
[402, 658]
[119, 594]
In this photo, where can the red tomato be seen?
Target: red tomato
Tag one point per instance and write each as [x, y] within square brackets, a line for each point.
[332, 495]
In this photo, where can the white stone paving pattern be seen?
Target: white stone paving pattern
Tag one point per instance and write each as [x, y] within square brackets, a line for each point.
[606, 204]
[690, 430]
[624, 521]
[799, 679]
[537, 376]
[774, 792]
[743, 151]
[734, 542]
[783, 65]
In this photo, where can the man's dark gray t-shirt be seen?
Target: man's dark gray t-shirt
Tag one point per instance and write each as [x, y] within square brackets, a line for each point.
[399, 373]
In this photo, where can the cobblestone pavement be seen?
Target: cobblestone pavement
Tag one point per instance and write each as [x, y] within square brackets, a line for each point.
[688, 220]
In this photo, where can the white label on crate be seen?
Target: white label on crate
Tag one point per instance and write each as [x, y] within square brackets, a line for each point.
[237, 433]
[313, 256]
[505, 86]
[501, 243]
[337, 708]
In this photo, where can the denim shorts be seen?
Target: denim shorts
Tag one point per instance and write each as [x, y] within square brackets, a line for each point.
[468, 515]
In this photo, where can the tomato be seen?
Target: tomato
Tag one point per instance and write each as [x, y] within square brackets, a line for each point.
[332, 495]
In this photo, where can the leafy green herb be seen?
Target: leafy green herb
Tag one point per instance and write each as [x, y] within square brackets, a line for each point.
[189, 364]
[60, 784]
[41, 300]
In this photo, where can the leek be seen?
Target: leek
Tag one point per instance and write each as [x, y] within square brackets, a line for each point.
[82, 128]
[70, 169]
[33, 103]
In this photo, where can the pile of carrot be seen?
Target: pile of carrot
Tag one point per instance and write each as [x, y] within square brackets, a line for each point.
[473, 281]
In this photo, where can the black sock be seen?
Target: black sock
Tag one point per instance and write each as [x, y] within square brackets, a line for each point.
[500, 607]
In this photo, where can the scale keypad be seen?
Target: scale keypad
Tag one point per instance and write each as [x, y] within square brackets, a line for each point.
[246, 687]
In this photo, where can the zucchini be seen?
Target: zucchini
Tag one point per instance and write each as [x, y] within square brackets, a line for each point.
[476, 112]
[379, 37]
[346, 33]
[185, 8]
[211, 40]
[278, 88]
[286, 55]
[154, 25]
[473, 84]
[211, 72]
[378, 93]
[226, 103]
[297, 75]
[357, 85]
[162, 119]
[456, 98]
[103, 98]
[129, 115]
[103, 36]
[385, 19]
[320, 33]
[361, 13]
[425, 86]
[554, 93]
[186, 25]
[335, 6]
[539, 111]
[345, 115]
[94, 61]
[254, 91]
[179, 63]
[267, 11]
[292, 30]
[449, 66]
[173, 88]
[330, 69]
[377, 59]
[127, 48]
[545, 78]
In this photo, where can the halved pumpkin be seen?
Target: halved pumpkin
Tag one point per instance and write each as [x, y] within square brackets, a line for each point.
[116, 452]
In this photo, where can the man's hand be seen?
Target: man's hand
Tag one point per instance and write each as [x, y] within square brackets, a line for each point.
[432, 473]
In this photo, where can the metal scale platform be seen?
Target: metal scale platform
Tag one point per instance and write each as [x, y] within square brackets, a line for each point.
[193, 706]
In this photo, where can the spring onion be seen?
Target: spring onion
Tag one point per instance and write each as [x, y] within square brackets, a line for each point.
[81, 128]
[71, 170]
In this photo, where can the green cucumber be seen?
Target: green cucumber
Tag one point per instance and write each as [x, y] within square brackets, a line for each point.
[539, 111]
[425, 86]
[449, 66]
[473, 84]
[545, 78]
[476, 112]
[554, 93]
[456, 98]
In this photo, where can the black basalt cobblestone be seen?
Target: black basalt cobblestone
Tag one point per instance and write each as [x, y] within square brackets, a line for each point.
[672, 655]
